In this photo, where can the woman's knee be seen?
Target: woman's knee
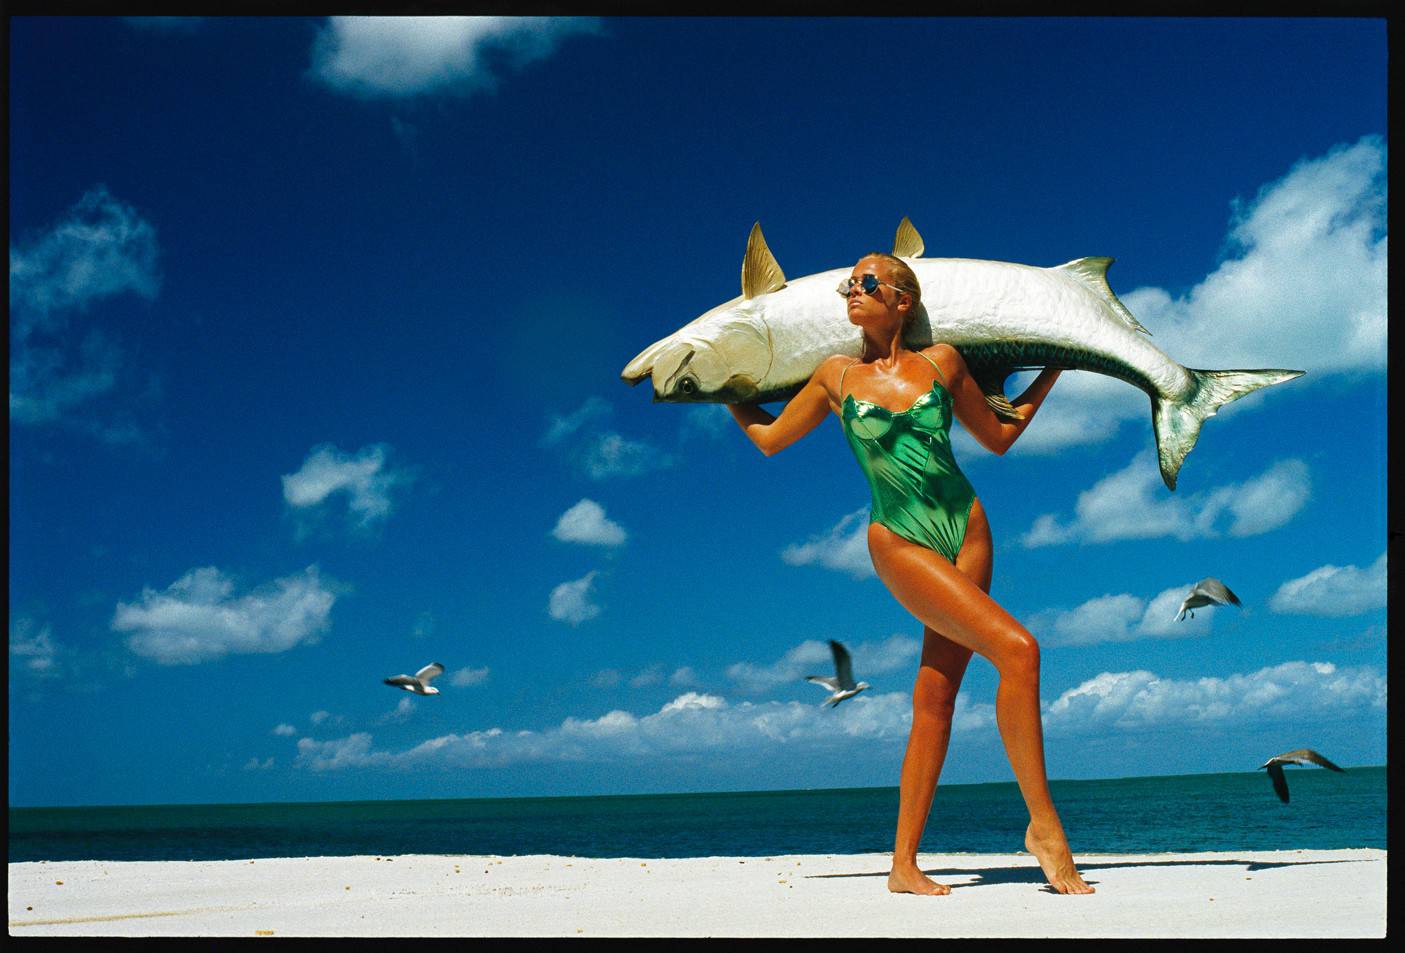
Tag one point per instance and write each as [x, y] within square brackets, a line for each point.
[1019, 655]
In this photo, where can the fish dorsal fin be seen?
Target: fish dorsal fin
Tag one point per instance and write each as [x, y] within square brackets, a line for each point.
[1093, 273]
[907, 243]
[761, 273]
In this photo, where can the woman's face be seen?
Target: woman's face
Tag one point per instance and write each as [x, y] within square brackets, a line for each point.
[877, 311]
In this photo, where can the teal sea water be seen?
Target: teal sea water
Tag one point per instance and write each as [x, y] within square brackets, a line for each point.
[1201, 812]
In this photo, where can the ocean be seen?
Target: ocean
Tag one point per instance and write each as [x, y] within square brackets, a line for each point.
[1200, 812]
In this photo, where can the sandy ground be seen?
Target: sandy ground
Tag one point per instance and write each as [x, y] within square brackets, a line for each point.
[1300, 893]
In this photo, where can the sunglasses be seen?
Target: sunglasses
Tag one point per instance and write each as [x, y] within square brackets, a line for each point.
[869, 284]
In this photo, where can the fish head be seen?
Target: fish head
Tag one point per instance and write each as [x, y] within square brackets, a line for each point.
[721, 357]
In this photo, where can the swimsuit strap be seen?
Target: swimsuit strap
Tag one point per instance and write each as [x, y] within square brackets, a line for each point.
[940, 375]
[841, 378]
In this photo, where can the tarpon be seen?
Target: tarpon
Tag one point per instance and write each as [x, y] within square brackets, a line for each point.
[1002, 317]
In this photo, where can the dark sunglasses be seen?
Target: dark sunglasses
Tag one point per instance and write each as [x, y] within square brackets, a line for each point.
[869, 284]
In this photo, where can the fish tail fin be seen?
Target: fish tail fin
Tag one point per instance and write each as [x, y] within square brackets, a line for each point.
[1177, 423]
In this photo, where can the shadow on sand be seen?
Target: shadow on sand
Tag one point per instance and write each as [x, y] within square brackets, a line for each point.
[986, 876]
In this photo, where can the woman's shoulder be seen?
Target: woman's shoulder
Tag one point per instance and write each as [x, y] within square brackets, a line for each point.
[945, 356]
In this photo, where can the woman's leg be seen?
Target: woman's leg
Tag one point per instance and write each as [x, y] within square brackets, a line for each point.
[948, 601]
[933, 702]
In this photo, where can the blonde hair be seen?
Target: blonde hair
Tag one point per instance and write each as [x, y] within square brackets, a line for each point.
[904, 279]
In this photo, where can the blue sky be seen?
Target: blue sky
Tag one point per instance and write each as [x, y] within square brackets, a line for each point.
[315, 335]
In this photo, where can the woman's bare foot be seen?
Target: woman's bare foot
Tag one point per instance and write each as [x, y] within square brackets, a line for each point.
[1051, 850]
[907, 878]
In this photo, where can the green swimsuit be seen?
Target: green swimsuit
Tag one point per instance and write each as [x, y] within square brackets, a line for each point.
[918, 490]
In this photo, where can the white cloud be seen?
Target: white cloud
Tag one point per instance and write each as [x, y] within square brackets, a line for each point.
[32, 645]
[653, 675]
[813, 657]
[317, 717]
[564, 426]
[400, 714]
[1141, 700]
[101, 248]
[611, 455]
[683, 677]
[1334, 591]
[690, 723]
[571, 601]
[843, 548]
[397, 57]
[1131, 504]
[606, 678]
[586, 522]
[465, 677]
[364, 478]
[284, 730]
[1120, 618]
[706, 420]
[254, 764]
[1302, 285]
[198, 618]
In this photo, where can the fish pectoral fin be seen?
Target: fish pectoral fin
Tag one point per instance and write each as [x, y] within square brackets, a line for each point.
[991, 381]
[761, 273]
[907, 243]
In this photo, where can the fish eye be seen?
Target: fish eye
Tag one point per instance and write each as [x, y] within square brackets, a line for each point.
[688, 386]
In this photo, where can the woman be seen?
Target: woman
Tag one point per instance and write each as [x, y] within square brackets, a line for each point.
[930, 544]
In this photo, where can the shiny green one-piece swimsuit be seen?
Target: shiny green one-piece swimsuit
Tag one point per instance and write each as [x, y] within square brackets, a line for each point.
[918, 490]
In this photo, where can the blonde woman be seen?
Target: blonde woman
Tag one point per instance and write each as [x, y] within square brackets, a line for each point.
[930, 544]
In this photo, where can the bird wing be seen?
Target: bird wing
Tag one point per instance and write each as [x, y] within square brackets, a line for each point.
[828, 682]
[400, 680]
[1216, 591]
[843, 667]
[1307, 754]
[1280, 783]
[427, 674]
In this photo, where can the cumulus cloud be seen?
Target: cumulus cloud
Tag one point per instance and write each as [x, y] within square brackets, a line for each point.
[465, 677]
[564, 426]
[571, 602]
[1334, 591]
[1142, 700]
[32, 646]
[844, 547]
[400, 714]
[284, 730]
[1120, 618]
[813, 657]
[400, 57]
[612, 455]
[1301, 284]
[364, 478]
[198, 618]
[690, 723]
[100, 249]
[317, 717]
[1131, 504]
[602, 453]
[587, 523]
[683, 676]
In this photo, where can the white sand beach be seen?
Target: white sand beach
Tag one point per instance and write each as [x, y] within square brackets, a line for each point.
[1295, 893]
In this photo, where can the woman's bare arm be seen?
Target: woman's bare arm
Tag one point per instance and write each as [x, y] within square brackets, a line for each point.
[800, 415]
[991, 431]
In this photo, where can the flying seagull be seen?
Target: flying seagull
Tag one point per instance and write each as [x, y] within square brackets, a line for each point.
[419, 682]
[1300, 756]
[1206, 592]
[842, 683]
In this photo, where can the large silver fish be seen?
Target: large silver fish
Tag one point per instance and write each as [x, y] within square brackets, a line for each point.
[1002, 317]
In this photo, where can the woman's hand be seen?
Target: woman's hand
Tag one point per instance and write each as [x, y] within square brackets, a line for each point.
[801, 415]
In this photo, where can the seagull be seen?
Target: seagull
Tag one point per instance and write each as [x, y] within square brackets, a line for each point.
[419, 682]
[842, 683]
[1206, 592]
[1300, 756]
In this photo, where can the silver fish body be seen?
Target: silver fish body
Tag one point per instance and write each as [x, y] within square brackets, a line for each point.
[1001, 316]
